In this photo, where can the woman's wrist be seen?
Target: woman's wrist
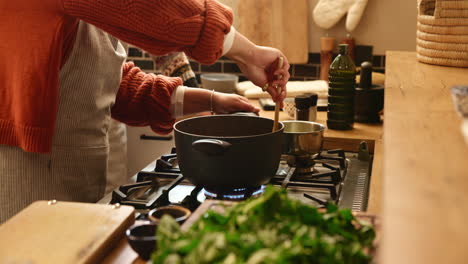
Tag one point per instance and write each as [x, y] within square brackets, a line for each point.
[242, 50]
[198, 100]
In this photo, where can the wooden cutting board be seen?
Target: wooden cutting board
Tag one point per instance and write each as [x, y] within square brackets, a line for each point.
[64, 232]
[282, 24]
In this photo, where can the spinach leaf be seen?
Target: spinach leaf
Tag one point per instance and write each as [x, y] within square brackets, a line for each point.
[272, 228]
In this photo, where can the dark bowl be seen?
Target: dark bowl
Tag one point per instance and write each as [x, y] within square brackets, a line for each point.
[142, 239]
[179, 213]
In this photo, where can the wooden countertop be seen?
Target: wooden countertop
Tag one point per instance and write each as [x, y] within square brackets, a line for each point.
[425, 175]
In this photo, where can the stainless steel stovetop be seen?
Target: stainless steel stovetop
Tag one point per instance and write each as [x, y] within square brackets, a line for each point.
[337, 176]
[349, 190]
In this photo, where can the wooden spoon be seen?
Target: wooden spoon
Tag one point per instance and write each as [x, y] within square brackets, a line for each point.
[277, 106]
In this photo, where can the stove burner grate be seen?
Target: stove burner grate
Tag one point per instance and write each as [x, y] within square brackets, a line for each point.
[322, 183]
[320, 176]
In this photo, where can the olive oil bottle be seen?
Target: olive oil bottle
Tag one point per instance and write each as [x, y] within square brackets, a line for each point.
[342, 85]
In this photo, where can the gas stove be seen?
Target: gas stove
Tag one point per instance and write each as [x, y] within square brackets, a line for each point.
[332, 176]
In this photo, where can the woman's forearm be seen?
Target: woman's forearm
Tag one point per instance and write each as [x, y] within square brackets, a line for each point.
[242, 49]
[198, 100]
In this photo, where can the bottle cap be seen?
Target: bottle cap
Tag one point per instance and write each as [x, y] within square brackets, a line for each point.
[313, 97]
[343, 49]
[302, 102]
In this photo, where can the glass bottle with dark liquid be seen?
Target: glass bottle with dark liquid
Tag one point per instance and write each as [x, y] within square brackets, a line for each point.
[342, 85]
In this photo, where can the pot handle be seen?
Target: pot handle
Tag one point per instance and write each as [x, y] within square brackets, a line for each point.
[211, 147]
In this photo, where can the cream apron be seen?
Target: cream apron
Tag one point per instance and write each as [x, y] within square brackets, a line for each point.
[76, 168]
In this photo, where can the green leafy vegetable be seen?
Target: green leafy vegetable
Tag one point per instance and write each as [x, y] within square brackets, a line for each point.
[269, 229]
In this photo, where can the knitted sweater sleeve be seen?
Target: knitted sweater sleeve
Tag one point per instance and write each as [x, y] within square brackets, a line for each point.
[144, 99]
[196, 27]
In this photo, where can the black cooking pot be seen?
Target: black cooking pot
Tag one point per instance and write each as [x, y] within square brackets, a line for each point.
[226, 152]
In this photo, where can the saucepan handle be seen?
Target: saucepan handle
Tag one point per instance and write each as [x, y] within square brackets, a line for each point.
[211, 147]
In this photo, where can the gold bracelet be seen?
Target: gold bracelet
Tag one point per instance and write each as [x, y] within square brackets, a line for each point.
[211, 102]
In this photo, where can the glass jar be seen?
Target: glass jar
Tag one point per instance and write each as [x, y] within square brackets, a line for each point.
[306, 107]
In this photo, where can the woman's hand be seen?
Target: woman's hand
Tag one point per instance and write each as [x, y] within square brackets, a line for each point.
[262, 69]
[260, 65]
[229, 103]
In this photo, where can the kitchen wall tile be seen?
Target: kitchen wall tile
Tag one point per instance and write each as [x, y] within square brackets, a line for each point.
[134, 52]
[378, 69]
[296, 79]
[211, 68]
[195, 66]
[362, 53]
[242, 78]
[314, 58]
[305, 70]
[230, 67]
[291, 70]
[377, 61]
[144, 64]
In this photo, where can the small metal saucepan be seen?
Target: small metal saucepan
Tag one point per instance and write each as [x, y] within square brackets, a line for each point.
[302, 138]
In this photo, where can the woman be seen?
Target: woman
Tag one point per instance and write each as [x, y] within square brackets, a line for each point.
[36, 117]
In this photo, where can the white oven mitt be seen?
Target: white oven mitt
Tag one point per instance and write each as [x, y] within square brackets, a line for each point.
[328, 12]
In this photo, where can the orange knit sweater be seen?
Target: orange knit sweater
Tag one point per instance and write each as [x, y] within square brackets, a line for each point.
[144, 99]
[37, 34]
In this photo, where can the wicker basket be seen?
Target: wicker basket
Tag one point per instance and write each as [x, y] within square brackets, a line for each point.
[442, 35]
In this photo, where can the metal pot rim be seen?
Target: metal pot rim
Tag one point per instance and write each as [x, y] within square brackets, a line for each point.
[280, 129]
[322, 127]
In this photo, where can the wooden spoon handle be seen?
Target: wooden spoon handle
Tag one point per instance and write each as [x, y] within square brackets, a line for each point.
[277, 106]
